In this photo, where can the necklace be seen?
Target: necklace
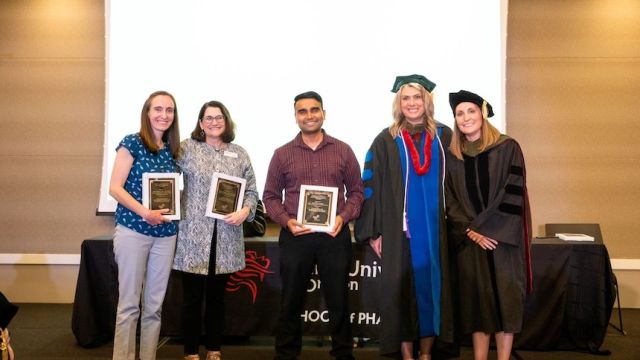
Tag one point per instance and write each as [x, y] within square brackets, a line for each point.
[415, 158]
[218, 148]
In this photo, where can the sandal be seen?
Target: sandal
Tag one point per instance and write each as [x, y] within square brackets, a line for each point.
[214, 355]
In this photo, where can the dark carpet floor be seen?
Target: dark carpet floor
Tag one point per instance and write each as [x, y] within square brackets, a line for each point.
[43, 331]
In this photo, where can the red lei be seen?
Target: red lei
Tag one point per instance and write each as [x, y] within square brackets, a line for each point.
[415, 158]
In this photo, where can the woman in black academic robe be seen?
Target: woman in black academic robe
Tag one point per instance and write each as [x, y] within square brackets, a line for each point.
[489, 227]
[403, 174]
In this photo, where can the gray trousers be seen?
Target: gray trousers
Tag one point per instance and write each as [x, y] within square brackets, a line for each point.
[144, 264]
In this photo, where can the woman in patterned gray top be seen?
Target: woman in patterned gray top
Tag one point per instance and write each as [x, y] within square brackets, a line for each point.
[209, 250]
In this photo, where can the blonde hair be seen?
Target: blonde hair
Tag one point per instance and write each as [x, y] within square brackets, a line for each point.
[489, 135]
[398, 116]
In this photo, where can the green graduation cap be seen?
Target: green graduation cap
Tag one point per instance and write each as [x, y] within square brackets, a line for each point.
[415, 78]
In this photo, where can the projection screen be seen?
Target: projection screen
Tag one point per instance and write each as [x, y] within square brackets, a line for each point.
[255, 56]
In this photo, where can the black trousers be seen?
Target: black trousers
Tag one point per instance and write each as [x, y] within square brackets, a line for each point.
[211, 288]
[298, 255]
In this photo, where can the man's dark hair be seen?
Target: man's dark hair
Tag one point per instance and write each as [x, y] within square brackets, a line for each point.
[308, 95]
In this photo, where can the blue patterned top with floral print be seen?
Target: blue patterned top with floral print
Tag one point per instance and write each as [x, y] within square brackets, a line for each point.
[144, 161]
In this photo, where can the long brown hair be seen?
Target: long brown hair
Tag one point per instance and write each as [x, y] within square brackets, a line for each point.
[398, 116]
[170, 136]
[489, 135]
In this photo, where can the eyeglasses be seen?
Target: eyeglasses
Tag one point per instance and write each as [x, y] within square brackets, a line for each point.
[210, 119]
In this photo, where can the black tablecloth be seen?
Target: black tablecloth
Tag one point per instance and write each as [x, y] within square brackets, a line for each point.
[94, 306]
[252, 297]
[572, 297]
[569, 308]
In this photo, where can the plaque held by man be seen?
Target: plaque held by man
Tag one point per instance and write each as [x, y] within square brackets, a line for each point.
[317, 207]
[161, 191]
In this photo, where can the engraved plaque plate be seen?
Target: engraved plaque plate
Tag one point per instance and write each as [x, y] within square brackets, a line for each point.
[161, 191]
[317, 207]
[225, 195]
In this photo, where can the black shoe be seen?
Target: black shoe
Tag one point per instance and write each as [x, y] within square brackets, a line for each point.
[346, 357]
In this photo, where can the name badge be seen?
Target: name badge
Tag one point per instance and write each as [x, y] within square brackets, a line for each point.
[230, 154]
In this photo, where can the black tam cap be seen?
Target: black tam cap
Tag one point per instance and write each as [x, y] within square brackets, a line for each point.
[7, 311]
[467, 96]
[415, 78]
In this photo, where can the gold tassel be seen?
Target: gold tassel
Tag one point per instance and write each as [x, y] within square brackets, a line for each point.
[4, 344]
[485, 111]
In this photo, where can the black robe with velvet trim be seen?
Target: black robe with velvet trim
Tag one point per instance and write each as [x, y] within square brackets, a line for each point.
[487, 193]
[381, 214]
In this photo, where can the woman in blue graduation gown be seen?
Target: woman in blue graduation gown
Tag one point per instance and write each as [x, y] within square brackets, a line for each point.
[403, 220]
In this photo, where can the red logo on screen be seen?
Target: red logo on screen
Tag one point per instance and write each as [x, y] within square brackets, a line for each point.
[257, 267]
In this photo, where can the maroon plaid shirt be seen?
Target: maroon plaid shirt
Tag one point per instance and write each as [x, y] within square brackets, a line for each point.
[332, 163]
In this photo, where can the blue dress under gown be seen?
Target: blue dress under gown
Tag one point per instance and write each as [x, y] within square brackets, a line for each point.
[423, 223]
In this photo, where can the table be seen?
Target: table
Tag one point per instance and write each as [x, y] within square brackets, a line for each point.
[573, 296]
[252, 298]
[569, 309]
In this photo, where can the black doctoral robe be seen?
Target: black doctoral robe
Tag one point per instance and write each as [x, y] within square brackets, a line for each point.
[381, 214]
[487, 193]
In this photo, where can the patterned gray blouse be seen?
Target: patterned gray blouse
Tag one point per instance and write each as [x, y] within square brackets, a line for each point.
[198, 161]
